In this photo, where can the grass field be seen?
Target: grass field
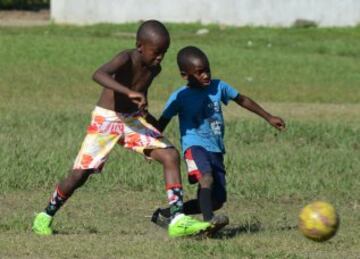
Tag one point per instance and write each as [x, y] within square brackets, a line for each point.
[310, 77]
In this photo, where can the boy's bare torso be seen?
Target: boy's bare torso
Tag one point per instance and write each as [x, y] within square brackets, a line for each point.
[133, 75]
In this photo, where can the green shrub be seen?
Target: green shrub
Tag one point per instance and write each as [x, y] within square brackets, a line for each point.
[24, 4]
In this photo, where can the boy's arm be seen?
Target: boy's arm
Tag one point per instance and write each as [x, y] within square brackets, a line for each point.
[104, 76]
[170, 110]
[160, 124]
[252, 106]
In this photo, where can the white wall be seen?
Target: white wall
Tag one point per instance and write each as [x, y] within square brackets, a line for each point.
[229, 12]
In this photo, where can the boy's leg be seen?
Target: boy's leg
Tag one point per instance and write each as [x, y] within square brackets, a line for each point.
[43, 220]
[205, 193]
[103, 133]
[162, 216]
[142, 137]
[218, 192]
[169, 158]
[211, 192]
[66, 188]
[198, 161]
[199, 170]
[180, 224]
[191, 207]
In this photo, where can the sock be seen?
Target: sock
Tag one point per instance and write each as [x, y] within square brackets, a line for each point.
[175, 199]
[191, 207]
[206, 204]
[57, 199]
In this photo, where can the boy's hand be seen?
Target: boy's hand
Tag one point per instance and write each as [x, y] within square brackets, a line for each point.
[139, 99]
[276, 122]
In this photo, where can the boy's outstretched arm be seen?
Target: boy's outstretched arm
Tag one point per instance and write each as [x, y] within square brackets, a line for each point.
[252, 106]
[104, 76]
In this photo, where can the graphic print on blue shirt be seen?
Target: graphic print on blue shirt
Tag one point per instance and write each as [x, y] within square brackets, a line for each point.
[201, 120]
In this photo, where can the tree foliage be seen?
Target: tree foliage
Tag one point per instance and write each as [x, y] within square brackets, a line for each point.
[24, 4]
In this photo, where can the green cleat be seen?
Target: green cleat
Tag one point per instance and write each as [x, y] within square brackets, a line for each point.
[183, 225]
[42, 224]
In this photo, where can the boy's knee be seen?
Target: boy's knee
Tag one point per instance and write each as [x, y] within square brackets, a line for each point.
[206, 180]
[167, 156]
[171, 156]
[81, 172]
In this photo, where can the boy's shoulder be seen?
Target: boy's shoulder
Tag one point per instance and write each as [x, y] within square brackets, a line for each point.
[179, 90]
[221, 85]
[219, 82]
[132, 59]
[124, 58]
[127, 54]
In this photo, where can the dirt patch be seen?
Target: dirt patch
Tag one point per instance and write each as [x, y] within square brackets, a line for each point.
[24, 18]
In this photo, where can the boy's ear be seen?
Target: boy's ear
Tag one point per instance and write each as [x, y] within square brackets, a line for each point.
[184, 75]
[139, 46]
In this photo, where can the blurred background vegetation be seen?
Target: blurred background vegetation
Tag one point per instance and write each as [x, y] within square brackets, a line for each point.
[24, 4]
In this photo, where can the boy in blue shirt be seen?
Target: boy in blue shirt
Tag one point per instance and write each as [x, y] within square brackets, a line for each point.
[198, 106]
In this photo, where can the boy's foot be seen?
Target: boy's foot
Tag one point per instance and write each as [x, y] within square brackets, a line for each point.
[159, 219]
[183, 225]
[42, 224]
[217, 223]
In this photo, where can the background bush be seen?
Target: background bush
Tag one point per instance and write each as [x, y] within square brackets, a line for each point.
[24, 4]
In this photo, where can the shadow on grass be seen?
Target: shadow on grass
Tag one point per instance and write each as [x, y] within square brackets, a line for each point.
[86, 230]
[250, 227]
[234, 230]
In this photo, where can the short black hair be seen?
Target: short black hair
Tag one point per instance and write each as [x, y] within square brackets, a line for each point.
[187, 54]
[150, 30]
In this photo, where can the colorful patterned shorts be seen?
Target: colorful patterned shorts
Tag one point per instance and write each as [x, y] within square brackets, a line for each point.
[107, 128]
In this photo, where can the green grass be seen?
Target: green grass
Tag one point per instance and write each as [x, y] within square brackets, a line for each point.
[302, 65]
[307, 76]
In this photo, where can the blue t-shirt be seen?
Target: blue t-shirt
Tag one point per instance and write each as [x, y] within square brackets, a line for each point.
[200, 116]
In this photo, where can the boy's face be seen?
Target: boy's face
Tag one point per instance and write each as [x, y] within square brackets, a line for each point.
[198, 73]
[153, 51]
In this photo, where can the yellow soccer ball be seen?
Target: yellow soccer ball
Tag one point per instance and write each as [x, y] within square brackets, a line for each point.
[318, 221]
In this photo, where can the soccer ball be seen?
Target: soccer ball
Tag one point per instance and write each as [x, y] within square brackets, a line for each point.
[318, 221]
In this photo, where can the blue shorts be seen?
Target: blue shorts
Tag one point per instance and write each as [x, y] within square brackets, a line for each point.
[199, 161]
